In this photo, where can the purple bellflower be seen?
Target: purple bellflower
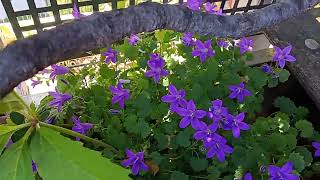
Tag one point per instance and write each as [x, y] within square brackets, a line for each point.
[204, 132]
[59, 100]
[35, 82]
[133, 39]
[284, 172]
[111, 55]
[175, 97]
[245, 45]
[203, 50]
[120, 95]
[190, 115]
[222, 43]
[187, 39]
[194, 4]
[317, 146]
[281, 56]
[80, 127]
[236, 124]
[136, 161]
[217, 112]
[239, 92]
[58, 70]
[248, 176]
[217, 146]
[266, 69]
[156, 65]
[210, 8]
[76, 13]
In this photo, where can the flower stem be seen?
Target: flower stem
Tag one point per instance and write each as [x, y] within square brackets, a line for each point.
[75, 134]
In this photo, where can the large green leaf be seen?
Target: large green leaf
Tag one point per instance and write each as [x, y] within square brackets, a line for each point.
[15, 163]
[60, 158]
[12, 102]
[6, 132]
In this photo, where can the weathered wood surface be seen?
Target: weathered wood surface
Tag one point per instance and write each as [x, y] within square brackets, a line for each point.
[296, 31]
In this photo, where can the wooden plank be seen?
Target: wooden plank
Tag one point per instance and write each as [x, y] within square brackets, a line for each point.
[296, 31]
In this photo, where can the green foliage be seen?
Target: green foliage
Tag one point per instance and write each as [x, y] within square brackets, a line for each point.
[6, 132]
[305, 127]
[176, 175]
[198, 164]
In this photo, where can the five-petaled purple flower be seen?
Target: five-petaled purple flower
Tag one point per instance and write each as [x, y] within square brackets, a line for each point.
[59, 100]
[281, 56]
[239, 92]
[80, 127]
[156, 65]
[245, 45]
[317, 146]
[133, 39]
[267, 69]
[111, 55]
[203, 50]
[194, 4]
[175, 97]
[285, 172]
[217, 146]
[217, 112]
[248, 176]
[58, 70]
[136, 161]
[35, 82]
[119, 94]
[222, 43]
[190, 115]
[210, 8]
[235, 123]
[76, 13]
[204, 132]
[187, 39]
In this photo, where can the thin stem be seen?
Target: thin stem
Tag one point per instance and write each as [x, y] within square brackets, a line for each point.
[24, 125]
[27, 134]
[75, 134]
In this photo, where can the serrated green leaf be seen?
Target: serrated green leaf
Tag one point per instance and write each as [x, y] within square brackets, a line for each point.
[307, 155]
[272, 82]
[176, 175]
[257, 77]
[285, 105]
[297, 161]
[305, 127]
[198, 164]
[183, 137]
[301, 113]
[56, 155]
[6, 132]
[12, 102]
[284, 75]
[196, 92]
[143, 128]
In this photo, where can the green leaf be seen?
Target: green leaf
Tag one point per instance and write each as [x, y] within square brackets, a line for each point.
[196, 92]
[272, 82]
[6, 132]
[301, 113]
[156, 157]
[297, 160]
[305, 127]
[285, 105]
[16, 162]
[198, 164]
[176, 175]
[183, 137]
[162, 140]
[17, 118]
[284, 75]
[143, 128]
[257, 77]
[12, 102]
[57, 155]
[307, 155]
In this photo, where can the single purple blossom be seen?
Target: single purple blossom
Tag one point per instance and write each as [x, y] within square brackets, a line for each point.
[194, 4]
[222, 43]
[120, 95]
[58, 70]
[76, 13]
[156, 65]
[111, 55]
[284, 172]
[217, 146]
[34, 167]
[59, 100]
[217, 112]
[133, 39]
[190, 115]
[239, 92]
[236, 124]
[204, 132]
[245, 45]
[80, 127]
[267, 69]
[175, 97]
[248, 176]
[187, 39]
[317, 146]
[203, 50]
[136, 161]
[35, 82]
[210, 8]
[281, 56]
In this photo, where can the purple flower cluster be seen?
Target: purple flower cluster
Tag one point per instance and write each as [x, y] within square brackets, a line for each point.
[136, 161]
[80, 127]
[283, 56]
[208, 7]
[111, 55]
[284, 172]
[175, 97]
[190, 115]
[120, 95]
[222, 43]
[59, 100]
[245, 45]
[156, 65]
